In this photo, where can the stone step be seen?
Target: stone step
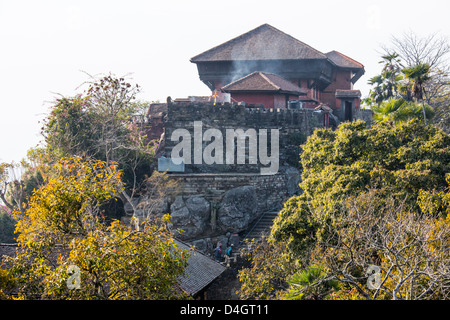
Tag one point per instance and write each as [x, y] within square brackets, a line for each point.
[262, 225]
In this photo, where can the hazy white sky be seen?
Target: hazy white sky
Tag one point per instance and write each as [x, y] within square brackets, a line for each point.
[46, 45]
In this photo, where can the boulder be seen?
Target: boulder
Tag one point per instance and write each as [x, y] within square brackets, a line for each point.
[155, 207]
[238, 209]
[180, 215]
[200, 245]
[200, 210]
[190, 214]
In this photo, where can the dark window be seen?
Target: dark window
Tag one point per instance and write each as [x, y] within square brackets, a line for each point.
[348, 111]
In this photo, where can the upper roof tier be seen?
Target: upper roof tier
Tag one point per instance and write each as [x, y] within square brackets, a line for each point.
[270, 50]
[262, 43]
[343, 61]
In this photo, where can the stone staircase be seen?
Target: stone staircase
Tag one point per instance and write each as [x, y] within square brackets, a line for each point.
[262, 225]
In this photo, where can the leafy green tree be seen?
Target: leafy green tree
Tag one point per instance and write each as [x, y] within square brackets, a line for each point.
[69, 128]
[368, 195]
[7, 225]
[416, 70]
[396, 88]
[105, 123]
[398, 160]
[267, 275]
[400, 110]
[63, 230]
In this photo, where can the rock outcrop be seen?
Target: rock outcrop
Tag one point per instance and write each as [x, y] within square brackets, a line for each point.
[191, 215]
[239, 207]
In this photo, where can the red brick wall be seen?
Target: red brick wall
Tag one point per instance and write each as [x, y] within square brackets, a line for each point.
[254, 98]
[312, 93]
[279, 101]
[340, 80]
[269, 100]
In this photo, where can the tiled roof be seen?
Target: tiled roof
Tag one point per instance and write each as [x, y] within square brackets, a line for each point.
[343, 61]
[323, 107]
[262, 43]
[348, 93]
[156, 110]
[263, 82]
[200, 271]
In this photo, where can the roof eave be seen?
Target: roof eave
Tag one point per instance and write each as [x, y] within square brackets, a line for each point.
[357, 75]
[295, 93]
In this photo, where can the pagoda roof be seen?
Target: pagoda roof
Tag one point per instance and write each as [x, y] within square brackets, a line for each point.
[263, 82]
[343, 61]
[262, 43]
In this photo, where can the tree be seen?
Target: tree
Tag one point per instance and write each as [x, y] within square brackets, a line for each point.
[432, 50]
[396, 88]
[100, 123]
[397, 160]
[386, 84]
[7, 225]
[111, 101]
[415, 69]
[370, 196]
[97, 123]
[266, 277]
[418, 75]
[399, 110]
[69, 129]
[407, 249]
[12, 188]
[63, 230]
[19, 180]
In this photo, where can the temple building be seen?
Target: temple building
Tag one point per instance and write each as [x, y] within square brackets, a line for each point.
[267, 66]
[267, 89]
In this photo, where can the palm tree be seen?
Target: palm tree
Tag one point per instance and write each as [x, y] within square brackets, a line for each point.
[399, 110]
[418, 75]
[385, 85]
[377, 93]
[387, 110]
[391, 74]
[311, 284]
